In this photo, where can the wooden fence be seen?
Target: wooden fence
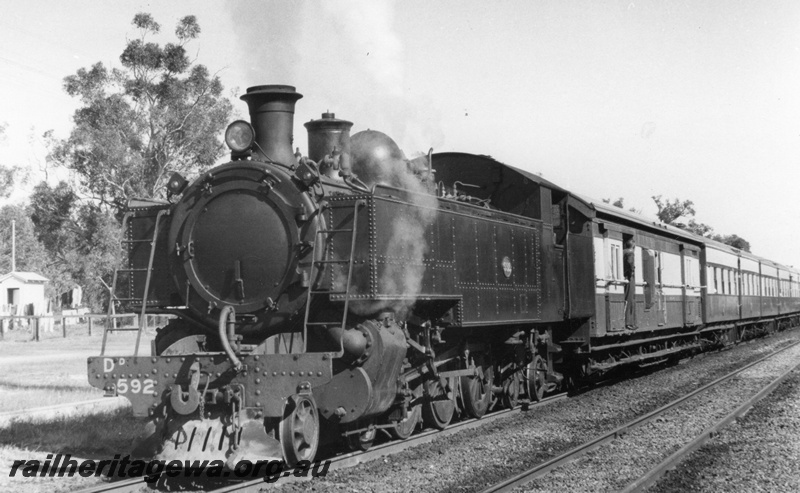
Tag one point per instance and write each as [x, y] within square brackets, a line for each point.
[62, 319]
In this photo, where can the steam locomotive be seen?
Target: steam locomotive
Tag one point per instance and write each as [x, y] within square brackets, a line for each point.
[330, 297]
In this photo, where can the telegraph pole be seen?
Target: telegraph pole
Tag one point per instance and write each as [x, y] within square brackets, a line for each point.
[13, 245]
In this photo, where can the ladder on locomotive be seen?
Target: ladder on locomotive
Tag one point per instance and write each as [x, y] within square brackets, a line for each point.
[113, 298]
[327, 235]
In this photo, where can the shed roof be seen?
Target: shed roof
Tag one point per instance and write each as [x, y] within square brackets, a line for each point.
[31, 277]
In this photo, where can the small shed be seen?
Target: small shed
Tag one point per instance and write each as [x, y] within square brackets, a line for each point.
[23, 293]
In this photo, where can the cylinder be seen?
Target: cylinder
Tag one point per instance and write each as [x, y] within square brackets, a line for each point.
[325, 135]
[272, 116]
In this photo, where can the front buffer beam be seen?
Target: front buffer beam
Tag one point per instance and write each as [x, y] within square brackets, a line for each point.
[263, 384]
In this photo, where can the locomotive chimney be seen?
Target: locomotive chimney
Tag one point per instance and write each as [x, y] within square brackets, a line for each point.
[325, 135]
[272, 117]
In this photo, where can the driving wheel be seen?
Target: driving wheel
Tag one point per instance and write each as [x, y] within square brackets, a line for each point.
[537, 378]
[476, 392]
[362, 441]
[438, 406]
[510, 396]
[403, 429]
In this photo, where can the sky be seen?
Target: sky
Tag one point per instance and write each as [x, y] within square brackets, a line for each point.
[685, 99]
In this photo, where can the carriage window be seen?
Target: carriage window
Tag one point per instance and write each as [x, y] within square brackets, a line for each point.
[710, 281]
[616, 257]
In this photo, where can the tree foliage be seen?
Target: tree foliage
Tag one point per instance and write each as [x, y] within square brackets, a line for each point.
[30, 254]
[8, 173]
[620, 202]
[670, 211]
[158, 114]
[82, 240]
[735, 241]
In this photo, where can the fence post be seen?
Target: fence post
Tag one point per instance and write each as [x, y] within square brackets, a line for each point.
[36, 329]
[64, 327]
[2, 328]
[90, 326]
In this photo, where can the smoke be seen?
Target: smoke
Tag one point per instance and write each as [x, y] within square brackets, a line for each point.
[378, 160]
[346, 56]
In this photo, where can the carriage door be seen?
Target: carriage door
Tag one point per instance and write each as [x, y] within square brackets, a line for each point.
[690, 269]
[580, 261]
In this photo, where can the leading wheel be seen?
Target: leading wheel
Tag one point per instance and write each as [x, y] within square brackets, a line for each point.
[476, 392]
[299, 429]
[438, 406]
[536, 375]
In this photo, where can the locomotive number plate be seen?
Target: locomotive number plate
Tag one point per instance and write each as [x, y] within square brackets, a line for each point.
[135, 386]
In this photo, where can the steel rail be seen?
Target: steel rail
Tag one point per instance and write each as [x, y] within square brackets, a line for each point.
[654, 474]
[124, 486]
[346, 460]
[570, 455]
[393, 447]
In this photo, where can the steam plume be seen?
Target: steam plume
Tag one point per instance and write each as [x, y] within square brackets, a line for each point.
[378, 160]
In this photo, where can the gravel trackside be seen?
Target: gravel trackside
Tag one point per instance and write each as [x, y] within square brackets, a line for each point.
[758, 452]
[619, 463]
[475, 459]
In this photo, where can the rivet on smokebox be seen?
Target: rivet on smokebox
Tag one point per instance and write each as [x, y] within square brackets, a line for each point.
[154, 360]
[258, 392]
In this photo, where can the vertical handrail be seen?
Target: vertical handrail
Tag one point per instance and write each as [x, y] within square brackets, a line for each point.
[113, 288]
[142, 319]
[354, 230]
[310, 287]
[358, 204]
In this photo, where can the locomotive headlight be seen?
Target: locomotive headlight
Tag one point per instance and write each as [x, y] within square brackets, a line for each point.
[177, 184]
[239, 136]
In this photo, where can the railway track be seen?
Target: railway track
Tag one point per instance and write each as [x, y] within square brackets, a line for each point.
[654, 473]
[346, 460]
